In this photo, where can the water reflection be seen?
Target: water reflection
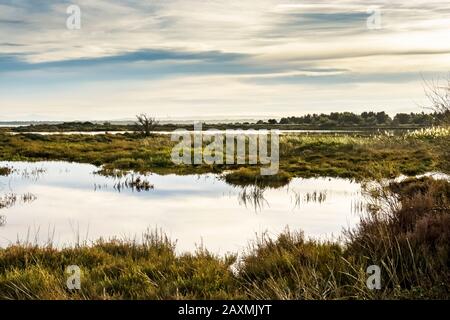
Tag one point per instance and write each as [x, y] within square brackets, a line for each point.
[9, 200]
[32, 173]
[192, 209]
[204, 132]
[134, 183]
[315, 196]
[359, 206]
[253, 197]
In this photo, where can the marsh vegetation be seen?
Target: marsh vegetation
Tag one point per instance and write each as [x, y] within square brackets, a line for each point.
[403, 228]
[409, 241]
[335, 155]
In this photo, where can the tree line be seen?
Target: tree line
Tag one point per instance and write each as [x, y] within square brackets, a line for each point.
[365, 119]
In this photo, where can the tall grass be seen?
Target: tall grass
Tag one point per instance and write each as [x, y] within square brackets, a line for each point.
[433, 132]
[406, 233]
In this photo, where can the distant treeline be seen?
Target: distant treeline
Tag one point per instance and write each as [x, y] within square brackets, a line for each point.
[335, 121]
[365, 119]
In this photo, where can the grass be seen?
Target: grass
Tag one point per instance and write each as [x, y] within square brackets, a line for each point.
[358, 157]
[337, 155]
[251, 177]
[407, 234]
[115, 269]
[430, 132]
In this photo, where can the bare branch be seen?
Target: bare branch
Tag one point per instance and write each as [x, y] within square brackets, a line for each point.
[146, 124]
[438, 93]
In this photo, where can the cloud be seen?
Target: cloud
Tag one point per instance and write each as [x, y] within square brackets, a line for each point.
[9, 44]
[15, 63]
[9, 21]
[246, 53]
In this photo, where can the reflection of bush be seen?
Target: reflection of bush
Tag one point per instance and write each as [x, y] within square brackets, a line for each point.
[253, 196]
[5, 171]
[8, 200]
[251, 177]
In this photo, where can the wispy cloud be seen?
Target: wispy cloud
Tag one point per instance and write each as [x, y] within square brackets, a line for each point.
[233, 57]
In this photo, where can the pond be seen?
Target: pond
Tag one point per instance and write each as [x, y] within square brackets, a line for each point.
[204, 132]
[67, 203]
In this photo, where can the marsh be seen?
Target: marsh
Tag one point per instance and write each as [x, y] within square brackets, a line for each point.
[74, 204]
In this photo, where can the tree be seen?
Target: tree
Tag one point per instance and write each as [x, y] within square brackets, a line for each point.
[146, 124]
[438, 94]
[402, 118]
[383, 118]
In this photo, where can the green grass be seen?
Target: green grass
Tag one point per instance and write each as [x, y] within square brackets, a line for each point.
[340, 155]
[357, 157]
[410, 242]
[251, 177]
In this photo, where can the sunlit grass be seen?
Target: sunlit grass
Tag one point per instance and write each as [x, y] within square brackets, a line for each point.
[433, 132]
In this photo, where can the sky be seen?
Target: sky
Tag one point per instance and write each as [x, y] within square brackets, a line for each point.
[209, 59]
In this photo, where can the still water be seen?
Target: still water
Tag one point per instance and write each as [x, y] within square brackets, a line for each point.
[67, 203]
[204, 132]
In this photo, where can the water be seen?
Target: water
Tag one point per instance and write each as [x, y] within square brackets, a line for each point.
[67, 203]
[204, 132]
